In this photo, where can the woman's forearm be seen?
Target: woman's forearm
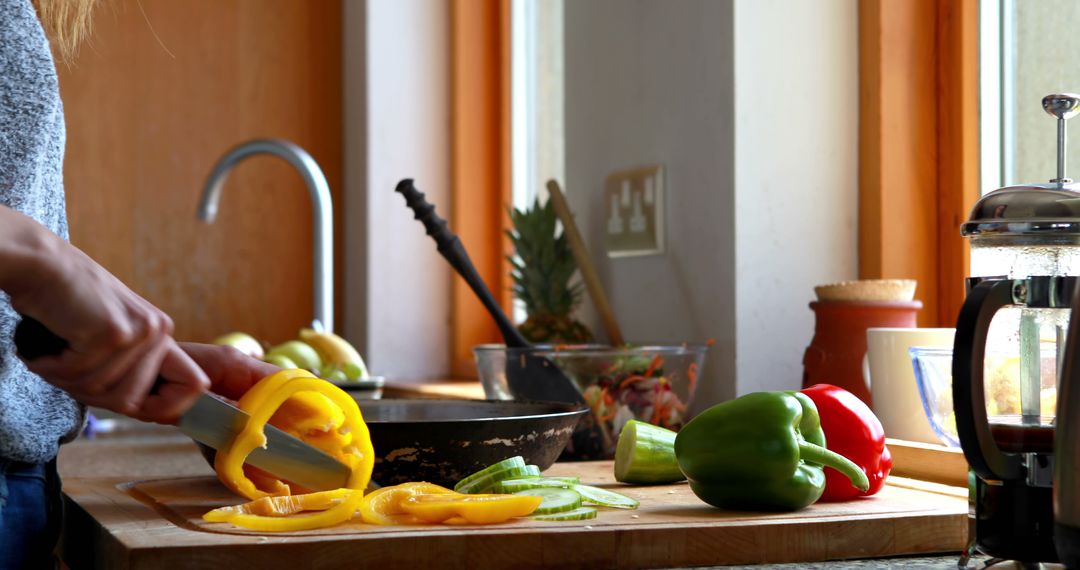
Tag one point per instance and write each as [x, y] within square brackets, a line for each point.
[25, 248]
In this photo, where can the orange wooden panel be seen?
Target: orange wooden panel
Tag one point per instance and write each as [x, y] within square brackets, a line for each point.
[480, 91]
[958, 140]
[918, 152]
[152, 102]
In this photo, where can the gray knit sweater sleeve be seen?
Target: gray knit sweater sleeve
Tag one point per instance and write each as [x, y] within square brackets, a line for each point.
[35, 417]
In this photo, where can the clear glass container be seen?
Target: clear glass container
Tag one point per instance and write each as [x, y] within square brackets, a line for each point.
[1016, 233]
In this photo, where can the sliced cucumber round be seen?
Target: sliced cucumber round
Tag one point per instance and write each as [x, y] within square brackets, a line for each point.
[516, 461]
[578, 514]
[485, 483]
[604, 498]
[553, 500]
[645, 454]
[515, 485]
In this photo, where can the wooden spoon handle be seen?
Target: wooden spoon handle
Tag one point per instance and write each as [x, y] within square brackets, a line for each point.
[585, 265]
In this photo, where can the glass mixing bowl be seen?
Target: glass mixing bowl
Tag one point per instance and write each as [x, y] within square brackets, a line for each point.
[933, 375]
[651, 383]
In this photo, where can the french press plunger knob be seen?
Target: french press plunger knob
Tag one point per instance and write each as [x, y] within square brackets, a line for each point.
[1064, 106]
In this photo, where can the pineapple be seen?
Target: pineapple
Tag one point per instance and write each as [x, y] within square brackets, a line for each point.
[541, 268]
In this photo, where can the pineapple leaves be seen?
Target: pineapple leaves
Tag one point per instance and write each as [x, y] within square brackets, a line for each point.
[541, 268]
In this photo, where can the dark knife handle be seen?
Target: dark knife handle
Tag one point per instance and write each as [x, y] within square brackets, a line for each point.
[34, 340]
[451, 248]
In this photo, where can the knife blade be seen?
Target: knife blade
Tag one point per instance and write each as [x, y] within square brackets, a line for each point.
[215, 422]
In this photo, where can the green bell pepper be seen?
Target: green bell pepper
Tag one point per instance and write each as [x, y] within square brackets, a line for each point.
[761, 451]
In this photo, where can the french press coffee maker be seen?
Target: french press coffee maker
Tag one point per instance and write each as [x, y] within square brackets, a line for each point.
[1009, 343]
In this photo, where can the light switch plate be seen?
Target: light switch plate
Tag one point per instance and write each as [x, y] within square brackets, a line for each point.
[634, 212]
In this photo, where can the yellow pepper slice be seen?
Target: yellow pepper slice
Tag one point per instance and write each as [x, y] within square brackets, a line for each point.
[281, 506]
[339, 513]
[264, 399]
[474, 509]
[383, 507]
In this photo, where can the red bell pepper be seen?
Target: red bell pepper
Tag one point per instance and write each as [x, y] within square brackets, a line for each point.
[851, 430]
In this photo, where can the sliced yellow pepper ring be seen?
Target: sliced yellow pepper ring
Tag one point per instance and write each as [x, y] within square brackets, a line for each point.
[474, 509]
[267, 482]
[339, 513]
[281, 506]
[264, 399]
[383, 507]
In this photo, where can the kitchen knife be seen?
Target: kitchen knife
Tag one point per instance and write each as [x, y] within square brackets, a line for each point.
[214, 422]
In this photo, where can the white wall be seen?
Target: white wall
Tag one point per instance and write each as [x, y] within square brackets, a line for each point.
[397, 301]
[796, 206]
[652, 81]
[752, 107]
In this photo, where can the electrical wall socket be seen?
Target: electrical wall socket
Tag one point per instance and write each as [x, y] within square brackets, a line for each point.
[634, 220]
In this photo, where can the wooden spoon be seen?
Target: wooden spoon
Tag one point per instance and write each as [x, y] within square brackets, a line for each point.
[584, 263]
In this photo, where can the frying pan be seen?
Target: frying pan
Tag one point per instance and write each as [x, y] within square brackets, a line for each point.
[530, 377]
[442, 441]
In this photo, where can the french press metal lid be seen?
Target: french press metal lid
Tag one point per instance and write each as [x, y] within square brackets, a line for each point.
[1043, 213]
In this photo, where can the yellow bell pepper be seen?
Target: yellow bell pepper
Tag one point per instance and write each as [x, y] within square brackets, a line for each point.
[474, 509]
[351, 445]
[383, 506]
[338, 513]
[281, 506]
[308, 413]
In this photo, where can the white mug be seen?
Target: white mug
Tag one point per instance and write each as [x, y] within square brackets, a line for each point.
[891, 376]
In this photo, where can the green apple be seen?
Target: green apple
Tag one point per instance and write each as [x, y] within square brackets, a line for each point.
[243, 342]
[281, 361]
[333, 374]
[299, 352]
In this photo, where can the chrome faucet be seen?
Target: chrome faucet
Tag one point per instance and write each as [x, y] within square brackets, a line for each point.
[321, 208]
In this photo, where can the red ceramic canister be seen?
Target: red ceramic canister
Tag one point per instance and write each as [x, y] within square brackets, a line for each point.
[835, 355]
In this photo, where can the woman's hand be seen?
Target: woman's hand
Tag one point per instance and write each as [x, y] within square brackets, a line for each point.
[118, 342]
[231, 372]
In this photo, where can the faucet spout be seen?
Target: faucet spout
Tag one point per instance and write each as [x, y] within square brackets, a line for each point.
[322, 208]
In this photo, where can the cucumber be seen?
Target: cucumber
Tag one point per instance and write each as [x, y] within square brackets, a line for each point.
[516, 461]
[578, 514]
[515, 485]
[485, 483]
[604, 498]
[554, 500]
[645, 454]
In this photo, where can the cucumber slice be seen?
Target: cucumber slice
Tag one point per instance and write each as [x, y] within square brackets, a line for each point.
[578, 514]
[554, 500]
[516, 461]
[645, 454]
[515, 485]
[604, 498]
[484, 484]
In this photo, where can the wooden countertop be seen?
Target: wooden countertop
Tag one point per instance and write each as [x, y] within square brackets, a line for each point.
[111, 523]
[125, 523]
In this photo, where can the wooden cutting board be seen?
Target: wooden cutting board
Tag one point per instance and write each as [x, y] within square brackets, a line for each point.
[157, 524]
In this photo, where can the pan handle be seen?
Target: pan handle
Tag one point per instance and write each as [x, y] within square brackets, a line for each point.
[450, 247]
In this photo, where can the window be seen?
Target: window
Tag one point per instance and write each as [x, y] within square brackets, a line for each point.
[536, 102]
[1027, 52]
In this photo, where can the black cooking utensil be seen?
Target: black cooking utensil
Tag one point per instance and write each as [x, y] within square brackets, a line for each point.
[530, 377]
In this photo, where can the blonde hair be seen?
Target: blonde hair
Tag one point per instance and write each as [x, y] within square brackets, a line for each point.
[66, 22]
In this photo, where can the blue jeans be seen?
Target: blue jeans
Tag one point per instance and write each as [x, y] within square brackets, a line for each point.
[30, 515]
